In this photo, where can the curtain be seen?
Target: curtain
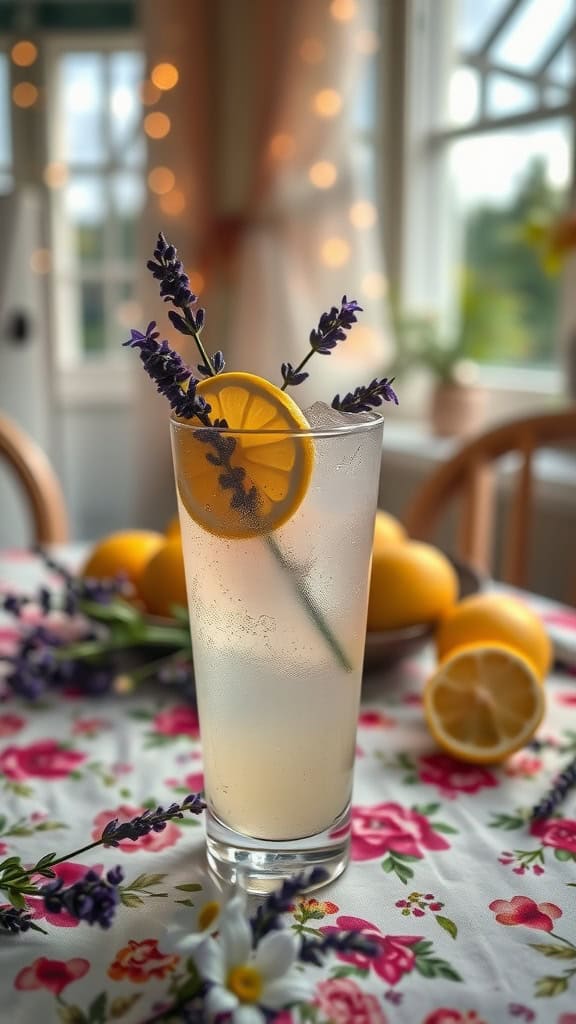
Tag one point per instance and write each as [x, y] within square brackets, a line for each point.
[273, 197]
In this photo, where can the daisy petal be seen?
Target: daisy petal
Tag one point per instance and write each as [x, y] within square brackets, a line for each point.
[219, 1000]
[276, 953]
[282, 992]
[235, 934]
[248, 1015]
[210, 961]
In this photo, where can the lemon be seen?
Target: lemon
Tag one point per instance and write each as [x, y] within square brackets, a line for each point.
[273, 461]
[499, 618]
[127, 552]
[387, 530]
[484, 702]
[173, 527]
[162, 585]
[411, 583]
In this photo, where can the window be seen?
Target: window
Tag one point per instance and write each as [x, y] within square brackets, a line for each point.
[95, 174]
[491, 84]
[5, 134]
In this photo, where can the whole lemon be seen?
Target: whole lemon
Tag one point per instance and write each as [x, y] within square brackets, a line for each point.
[127, 552]
[496, 618]
[163, 584]
[387, 529]
[173, 527]
[411, 583]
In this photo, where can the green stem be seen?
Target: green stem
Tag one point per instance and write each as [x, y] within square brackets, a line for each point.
[560, 938]
[310, 605]
[151, 666]
[299, 367]
[199, 344]
[152, 636]
[10, 883]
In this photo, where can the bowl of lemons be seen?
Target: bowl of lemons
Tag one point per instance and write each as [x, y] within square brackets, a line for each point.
[412, 586]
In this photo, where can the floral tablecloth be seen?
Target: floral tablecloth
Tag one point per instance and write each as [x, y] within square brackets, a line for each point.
[473, 910]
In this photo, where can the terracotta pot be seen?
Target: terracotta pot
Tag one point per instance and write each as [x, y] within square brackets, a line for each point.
[457, 410]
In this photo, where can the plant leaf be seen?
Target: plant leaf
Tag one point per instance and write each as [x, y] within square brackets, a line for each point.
[426, 809]
[557, 951]
[550, 985]
[439, 826]
[563, 854]
[189, 887]
[447, 925]
[130, 899]
[434, 967]
[121, 1004]
[97, 1009]
[145, 881]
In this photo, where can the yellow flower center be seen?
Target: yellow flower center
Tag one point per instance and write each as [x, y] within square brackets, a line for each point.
[246, 983]
[208, 914]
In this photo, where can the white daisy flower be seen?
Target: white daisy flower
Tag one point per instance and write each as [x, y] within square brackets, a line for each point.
[192, 925]
[245, 981]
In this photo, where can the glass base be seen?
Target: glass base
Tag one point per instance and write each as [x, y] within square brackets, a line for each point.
[259, 865]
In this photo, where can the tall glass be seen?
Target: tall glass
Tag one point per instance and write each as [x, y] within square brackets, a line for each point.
[278, 623]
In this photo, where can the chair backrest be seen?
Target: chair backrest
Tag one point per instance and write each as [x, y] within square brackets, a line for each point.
[469, 475]
[38, 481]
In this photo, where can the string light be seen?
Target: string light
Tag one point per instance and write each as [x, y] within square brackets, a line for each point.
[165, 76]
[363, 344]
[161, 180]
[282, 146]
[343, 10]
[25, 94]
[24, 53]
[173, 203]
[323, 174]
[335, 252]
[363, 214]
[41, 261]
[327, 103]
[157, 125]
[197, 282]
[374, 285]
[312, 50]
[55, 174]
[367, 42]
[149, 93]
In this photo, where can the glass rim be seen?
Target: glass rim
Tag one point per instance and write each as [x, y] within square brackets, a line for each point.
[342, 430]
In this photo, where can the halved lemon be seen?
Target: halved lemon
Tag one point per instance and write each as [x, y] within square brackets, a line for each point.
[484, 702]
[272, 460]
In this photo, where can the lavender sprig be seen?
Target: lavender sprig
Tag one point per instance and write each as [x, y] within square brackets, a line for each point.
[92, 899]
[150, 821]
[15, 921]
[314, 950]
[561, 785]
[364, 399]
[172, 377]
[175, 288]
[268, 915]
[331, 329]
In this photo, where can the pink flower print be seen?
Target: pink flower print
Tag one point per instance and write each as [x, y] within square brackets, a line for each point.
[445, 1015]
[44, 759]
[452, 777]
[55, 975]
[569, 700]
[342, 1001]
[375, 720]
[153, 842]
[195, 782]
[9, 724]
[395, 958]
[90, 726]
[181, 720]
[567, 1018]
[70, 872]
[9, 638]
[523, 766]
[523, 910]
[3, 849]
[557, 832]
[122, 768]
[389, 826]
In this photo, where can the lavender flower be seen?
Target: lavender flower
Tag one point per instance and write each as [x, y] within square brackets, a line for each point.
[561, 785]
[314, 950]
[150, 821]
[92, 899]
[14, 921]
[290, 376]
[364, 399]
[268, 915]
[331, 329]
[167, 369]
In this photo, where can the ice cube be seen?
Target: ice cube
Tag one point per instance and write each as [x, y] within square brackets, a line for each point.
[321, 416]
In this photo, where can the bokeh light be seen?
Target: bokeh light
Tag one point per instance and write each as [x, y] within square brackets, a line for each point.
[323, 174]
[343, 10]
[161, 180]
[173, 203]
[327, 103]
[374, 285]
[41, 261]
[312, 50]
[157, 125]
[24, 53]
[282, 146]
[197, 282]
[363, 345]
[55, 174]
[367, 42]
[363, 214]
[149, 93]
[335, 252]
[165, 76]
[25, 94]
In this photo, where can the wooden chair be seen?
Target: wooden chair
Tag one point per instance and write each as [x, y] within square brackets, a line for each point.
[469, 476]
[38, 481]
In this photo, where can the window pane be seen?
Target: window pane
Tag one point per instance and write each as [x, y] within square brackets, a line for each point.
[86, 209]
[532, 31]
[507, 95]
[501, 182]
[128, 196]
[126, 73]
[82, 108]
[475, 20]
[5, 140]
[93, 318]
